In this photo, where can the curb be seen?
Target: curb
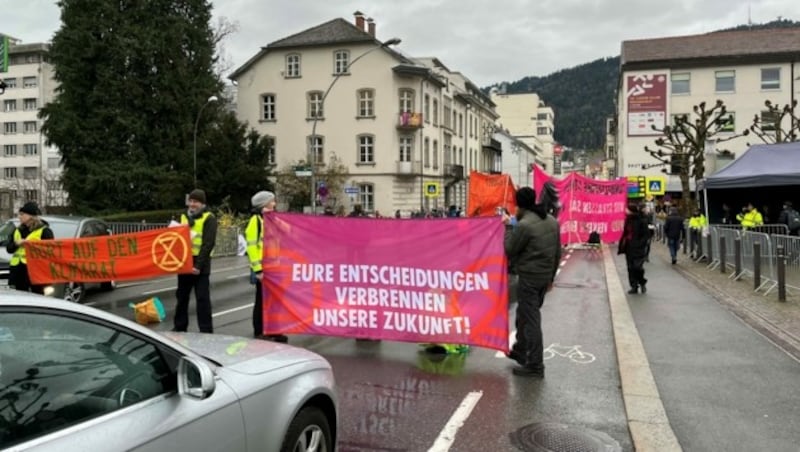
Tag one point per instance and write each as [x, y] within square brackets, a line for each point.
[647, 420]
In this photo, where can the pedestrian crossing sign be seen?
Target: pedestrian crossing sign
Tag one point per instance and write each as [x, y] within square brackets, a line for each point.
[656, 186]
[431, 189]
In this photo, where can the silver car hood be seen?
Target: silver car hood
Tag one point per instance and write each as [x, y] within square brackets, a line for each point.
[248, 356]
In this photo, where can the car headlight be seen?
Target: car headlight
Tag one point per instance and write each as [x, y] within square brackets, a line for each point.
[49, 291]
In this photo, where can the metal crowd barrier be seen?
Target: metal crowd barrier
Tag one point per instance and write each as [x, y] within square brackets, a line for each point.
[791, 253]
[227, 238]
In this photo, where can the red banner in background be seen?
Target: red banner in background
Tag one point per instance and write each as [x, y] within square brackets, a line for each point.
[487, 192]
[587, 205]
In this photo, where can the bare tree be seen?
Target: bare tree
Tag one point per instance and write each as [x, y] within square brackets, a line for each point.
[222, 30]
[771, 125]
[295, 190]
[683, 144]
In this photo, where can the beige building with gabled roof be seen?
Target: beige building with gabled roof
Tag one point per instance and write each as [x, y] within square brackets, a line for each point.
[409, 130]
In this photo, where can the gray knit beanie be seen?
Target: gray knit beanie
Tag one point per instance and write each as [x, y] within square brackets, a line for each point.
[261, 199]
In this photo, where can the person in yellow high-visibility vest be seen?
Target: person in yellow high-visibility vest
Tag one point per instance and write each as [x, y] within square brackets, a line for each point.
[31, 227]
[696, 224]
[203, 226]
[262, 202]
[750, 217]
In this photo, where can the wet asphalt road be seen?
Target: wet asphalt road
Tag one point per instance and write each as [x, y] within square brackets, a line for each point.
[395, 397]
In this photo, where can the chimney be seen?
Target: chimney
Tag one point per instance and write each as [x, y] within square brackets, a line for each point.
[360, 20]
[371, 24]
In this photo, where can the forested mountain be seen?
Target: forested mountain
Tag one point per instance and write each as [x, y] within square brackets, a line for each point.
[582, 97]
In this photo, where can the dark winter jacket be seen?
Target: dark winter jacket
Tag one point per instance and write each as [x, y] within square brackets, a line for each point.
[24, 231]
[533, 246]
[635, 236]
[673, 227]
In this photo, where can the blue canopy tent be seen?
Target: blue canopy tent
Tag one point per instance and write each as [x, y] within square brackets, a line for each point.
[772, 168]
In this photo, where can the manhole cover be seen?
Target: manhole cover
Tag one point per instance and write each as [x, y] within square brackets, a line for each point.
[551, 437]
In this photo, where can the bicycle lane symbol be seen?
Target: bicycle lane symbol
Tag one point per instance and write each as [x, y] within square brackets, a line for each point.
[573, 353]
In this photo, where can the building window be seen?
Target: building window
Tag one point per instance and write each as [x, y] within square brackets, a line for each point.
[366, 196]
[30, 149]
[10, 105]
[29, 82]
[341, 62]
[270, 150]
[366, 149]
[29, 104]
[10, 173]
[366, 103]
[406, 147]
[769, 120]
[292, 65]
[427, 112]
[681, 83]
[10, 82]
[435, 112]
[728, 122]
[315, 105]
[30, 172]
[406, 101]
[771, 78]
[541, 131]
[435, 154]
[9, 150]
[427, 152]
[461, 124]
[541, 116]
[725, 81]
[317, 145]
[268, 107]
[31, 195]
[30, 127]
[53, 163]
[9, 128]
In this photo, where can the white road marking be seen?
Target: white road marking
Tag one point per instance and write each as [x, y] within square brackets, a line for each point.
[247, 306]
[168, 289]
[448, 434]
[238, 276]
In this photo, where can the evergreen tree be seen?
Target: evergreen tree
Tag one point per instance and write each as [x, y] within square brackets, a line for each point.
[132, 76]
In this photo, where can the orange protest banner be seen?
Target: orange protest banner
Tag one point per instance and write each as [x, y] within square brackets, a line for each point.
[487, 192]
[122, 257]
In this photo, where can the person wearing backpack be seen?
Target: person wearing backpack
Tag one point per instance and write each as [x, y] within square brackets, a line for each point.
[791, 218]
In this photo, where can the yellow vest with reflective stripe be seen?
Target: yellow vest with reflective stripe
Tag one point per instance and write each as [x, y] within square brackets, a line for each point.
[19, 254]
[197, 232]
[750, 219]
[254, 236]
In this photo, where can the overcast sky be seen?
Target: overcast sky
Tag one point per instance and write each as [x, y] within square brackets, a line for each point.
[489, 41]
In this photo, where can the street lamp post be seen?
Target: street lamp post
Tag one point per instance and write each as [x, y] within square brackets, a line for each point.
[196, 123]
[313, 140]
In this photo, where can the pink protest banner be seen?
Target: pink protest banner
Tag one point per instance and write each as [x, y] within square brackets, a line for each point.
[426, 281]
[588, 205]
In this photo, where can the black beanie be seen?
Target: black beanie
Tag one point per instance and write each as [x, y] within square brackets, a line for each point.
[526, 198]
[198, 195]
[31, 208]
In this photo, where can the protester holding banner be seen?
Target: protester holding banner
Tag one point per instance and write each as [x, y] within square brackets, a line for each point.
[533, 248]
[262, 202]
[30, 228]
[203, 226]
[635, 237]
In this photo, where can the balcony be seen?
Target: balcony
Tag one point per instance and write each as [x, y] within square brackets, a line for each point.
[455, 172]
[409, 168]
[409, 121]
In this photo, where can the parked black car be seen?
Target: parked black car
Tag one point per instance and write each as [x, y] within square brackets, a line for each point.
[63, 227]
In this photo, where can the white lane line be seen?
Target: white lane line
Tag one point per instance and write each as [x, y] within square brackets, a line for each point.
[238, 276]
[247, 306]
[448, 434]
[167, 289]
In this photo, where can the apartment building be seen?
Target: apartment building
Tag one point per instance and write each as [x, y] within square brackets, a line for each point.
[526, 117]
[409, 130]
[518, 158]
[661, 79]
[30, 168]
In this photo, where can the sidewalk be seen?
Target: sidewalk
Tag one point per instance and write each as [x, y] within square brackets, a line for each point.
[779, 321]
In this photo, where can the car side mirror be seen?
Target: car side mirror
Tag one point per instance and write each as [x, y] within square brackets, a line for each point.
[195, 378]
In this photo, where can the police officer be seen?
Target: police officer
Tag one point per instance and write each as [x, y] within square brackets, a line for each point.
[262, 202]
[31, 227]
[203, 225]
